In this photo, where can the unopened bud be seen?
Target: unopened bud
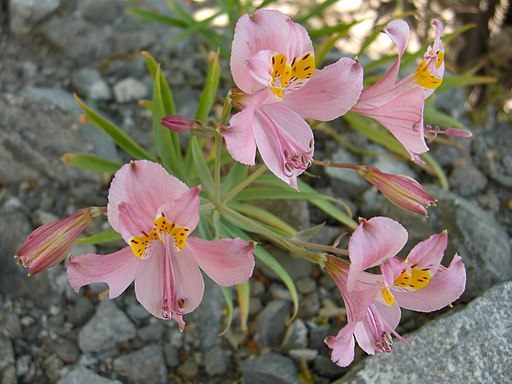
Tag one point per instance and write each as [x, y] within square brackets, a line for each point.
[402, 191]
[49, 244]
[177, 123]
[455, 132]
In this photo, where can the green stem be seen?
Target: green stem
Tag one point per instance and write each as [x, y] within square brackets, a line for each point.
[280, 240]
[328, 163]
[251, 178]
[326, 248]
[225, 111]
[218, 153]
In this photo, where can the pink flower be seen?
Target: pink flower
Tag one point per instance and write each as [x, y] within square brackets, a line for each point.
[155, 213]
[369, 319]
[398, 105]
[402, 191]
[419, 282]
[49, 244]
[273, 64]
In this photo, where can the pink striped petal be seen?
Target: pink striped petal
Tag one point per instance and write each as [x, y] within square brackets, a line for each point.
[149, 286]
[342, 345]
[145, 185]
[330, 93]
[239, 136]
[373, 242]
[225, 261]
[184, 211]
[264, 30]
[116, 269]
[429, 253]
[446, 286]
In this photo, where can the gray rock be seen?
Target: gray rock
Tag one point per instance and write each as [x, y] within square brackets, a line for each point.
[303, 354]
[215, 361]
[14, 228]
[152, 332]
[295, 266]
[24, 14]
[67, 351]
[473, 345]
[309, 306]
[269, 327]
[52, 366]
[81, 375]
[171, 355]
[99, 11]
[108, 327]
[144, 366]
[326, 368]
[47, 131]
[306, 285]
[391, 165]
[345, 182]
[188, 370]
[296, 336]
[467, 180]
[88, 82]
[80, 312]
[269, 369]
[7, 361]
[317, 335]
[23, 365]
[130, 89]
[10, 324]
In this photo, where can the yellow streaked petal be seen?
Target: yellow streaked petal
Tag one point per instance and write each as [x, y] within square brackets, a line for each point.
[388, 297]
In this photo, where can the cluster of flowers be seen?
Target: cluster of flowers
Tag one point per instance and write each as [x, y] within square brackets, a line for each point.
[273, 66]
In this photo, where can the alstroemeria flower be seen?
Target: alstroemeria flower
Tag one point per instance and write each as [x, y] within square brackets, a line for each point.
[369, 319]
[398, 105]
[419, 282]
[50, 244]
[155, 213]
[273, 64]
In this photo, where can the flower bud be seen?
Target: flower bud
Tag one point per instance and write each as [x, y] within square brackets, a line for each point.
[177, 123]
[402, 191]
[49, 244]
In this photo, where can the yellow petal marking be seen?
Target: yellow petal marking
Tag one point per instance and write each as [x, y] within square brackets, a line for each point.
[304, 67]
[139, 244]
[388, 297]
[284, 74]
[424, 77]
[440, 59]
[418, 280]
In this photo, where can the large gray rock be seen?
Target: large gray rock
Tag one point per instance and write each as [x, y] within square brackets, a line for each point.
[269, 369]
[81, 375]
[345, 182]
[107, 328]
[269, 327]
[144, 366]
[473, 345]
[24, 14]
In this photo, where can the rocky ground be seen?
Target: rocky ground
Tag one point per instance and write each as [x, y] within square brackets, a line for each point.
[49, 333]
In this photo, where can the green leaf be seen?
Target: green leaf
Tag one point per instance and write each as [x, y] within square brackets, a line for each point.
[226, 292]
[156, 17]
[329, 208]
[339, 29]
[264, 217]
[278, 194]
[236, 175]
[107, 236]
[270, 261]
[116, 133]
[315, 11]
[165, 90]
[202, 170]
[211, 86]
[308, 233]
[162, 136]
[244, 295]
[436, 117]
[465, 79]
[91, 162]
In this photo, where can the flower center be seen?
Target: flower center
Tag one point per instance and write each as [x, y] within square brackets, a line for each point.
[141, 244]
[291, 76]
[423, 75]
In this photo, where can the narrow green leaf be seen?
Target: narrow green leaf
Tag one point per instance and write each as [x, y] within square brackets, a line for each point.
[91, 162]
[166, 94]
[436, 117]
[308, 233]
[116, 133]
[235, 176]
[264, 217]
[210, 88]
[201, 167]
[316, 10]
[162, 135]
[436, 170]
[244, 295]
[339, 29]
[107, 236]
[270, 261]
[156, 17]
[328, 207]
[278, 194]
[226, 292]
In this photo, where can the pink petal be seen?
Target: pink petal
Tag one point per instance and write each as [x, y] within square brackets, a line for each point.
[391, 269]
[131, 223]
[281, 134]
[116, 269]
[446, 286]
[342, 345]
[226, 261]
[429, 253]
[145, 186]
[184, 211]
[239, 136]
[330, 93]
[398, 31]
[373, 242]
[259, 67]
[264, 30]
[403, 117]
